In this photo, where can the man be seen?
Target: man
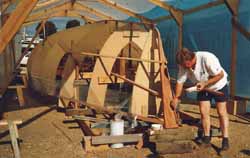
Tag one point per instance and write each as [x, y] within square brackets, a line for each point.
[204, 70]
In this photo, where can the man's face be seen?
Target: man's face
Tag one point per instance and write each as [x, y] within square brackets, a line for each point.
[189, 64]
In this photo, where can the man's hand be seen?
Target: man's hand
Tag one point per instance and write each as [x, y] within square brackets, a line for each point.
[174, 103]
[201, 85]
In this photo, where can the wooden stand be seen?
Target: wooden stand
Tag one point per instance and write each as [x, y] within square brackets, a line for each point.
[236, 107]
[91, 142]
[13, 135]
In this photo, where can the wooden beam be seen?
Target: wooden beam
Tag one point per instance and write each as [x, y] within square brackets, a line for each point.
[15, 21]
[233, 6]
[64, 6]
[193, 10]
[240, 28]
[61, 13]
[203, 7]
[175, 13]
[124, 10]
[161, 4]
[45, 4]
[79, 6]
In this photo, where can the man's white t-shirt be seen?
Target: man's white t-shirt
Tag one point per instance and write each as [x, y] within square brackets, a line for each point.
[207, 64]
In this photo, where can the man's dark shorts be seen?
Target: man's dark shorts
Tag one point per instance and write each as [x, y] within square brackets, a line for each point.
[206, 96]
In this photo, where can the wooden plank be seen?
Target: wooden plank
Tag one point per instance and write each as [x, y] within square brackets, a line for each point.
[71, 112]
[241, 29]
[124, 10]
[15, 21]
[126, 138]
[88, 147]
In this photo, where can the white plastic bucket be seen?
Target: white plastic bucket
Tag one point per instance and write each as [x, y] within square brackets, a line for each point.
[117, 128]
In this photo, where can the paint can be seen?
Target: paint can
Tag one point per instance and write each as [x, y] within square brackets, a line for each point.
[116, 128]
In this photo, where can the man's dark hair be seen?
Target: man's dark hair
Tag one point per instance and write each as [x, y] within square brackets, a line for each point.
[184, 55]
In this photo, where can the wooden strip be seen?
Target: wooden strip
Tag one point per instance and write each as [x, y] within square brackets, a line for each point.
[127, 138]
[121, 58]
[169, 115]
[155, 93]
[15, 21]
[233, 61]
[241, 29]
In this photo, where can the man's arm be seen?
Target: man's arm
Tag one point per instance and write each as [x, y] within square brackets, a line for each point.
[176, 99]
[212, 80]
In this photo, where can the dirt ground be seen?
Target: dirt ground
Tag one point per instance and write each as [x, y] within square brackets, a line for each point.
[46, 133]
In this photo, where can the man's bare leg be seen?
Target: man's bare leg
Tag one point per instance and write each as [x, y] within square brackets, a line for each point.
[224, 123]
[205, 116]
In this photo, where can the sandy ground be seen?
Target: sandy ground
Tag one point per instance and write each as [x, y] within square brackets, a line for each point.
[45, 133]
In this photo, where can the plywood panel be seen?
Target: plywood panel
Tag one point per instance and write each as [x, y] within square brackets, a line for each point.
[113, 46]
